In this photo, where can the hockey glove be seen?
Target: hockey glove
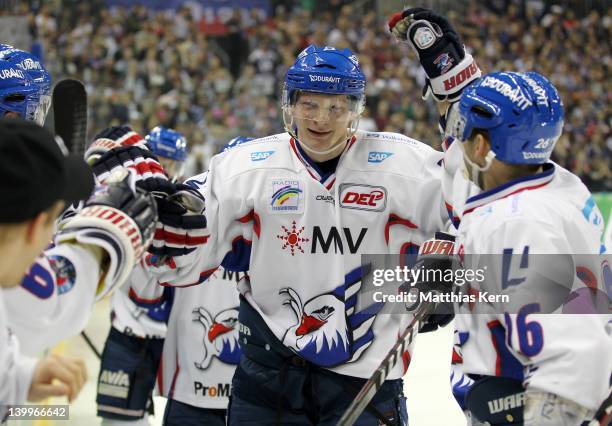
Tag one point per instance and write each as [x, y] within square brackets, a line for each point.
[110, 138]
[434, 260]
[118, 218]
[448, 66]
[182, 224]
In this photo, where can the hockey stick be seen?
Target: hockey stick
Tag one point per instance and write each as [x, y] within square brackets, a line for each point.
[377, 379]
[91, 345]
[603, 416]
[70, 114]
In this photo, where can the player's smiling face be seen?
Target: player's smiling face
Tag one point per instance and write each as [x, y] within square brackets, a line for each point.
[321, 120]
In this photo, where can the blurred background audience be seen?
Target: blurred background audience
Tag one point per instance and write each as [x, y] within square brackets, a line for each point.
[213, 78]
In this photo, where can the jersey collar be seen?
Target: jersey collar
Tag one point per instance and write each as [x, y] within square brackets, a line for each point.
[327, 180]
[512, 187]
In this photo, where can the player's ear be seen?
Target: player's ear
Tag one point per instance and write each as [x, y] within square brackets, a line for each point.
[35, 226]
[481, 145]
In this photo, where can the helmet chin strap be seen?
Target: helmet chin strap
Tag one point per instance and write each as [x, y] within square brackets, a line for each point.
[338, 148]
[476, 170]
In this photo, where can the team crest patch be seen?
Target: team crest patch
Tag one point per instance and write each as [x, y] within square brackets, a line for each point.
[286, 195]
[65, 273]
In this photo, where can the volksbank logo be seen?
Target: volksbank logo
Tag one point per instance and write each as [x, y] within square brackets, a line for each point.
[261, 155]
[324, 79]
[219, 391]
[378, 156]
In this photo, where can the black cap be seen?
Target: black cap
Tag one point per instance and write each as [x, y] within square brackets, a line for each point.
[36, 171]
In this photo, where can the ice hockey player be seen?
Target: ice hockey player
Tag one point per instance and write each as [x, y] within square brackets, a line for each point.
[133, 348]
[529, 367]
[297, 210]
[201, 349]
[38, 178]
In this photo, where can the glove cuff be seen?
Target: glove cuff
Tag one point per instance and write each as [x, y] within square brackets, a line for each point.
[116, 233]
[448, 86]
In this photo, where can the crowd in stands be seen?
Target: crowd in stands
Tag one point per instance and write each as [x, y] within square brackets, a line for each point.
[213, 80]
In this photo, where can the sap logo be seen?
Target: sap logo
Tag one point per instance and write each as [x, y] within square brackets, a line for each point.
[11, 73]
[324, 79]
[325, 198]
[461, 77]
[506, 403]
[378, 156]
[261, 155]
[322, 243]
[219, 391]
[363, 197]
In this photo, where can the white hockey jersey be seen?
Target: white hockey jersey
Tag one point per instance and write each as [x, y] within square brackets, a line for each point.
[17, 369]
[55, 298]
[147, 319]
[551, 212]
[301, 234]
[201, 349]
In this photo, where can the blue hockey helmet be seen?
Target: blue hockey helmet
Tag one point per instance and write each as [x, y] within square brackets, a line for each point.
[19, 94]
[325, 70]
[167, 143]
[170, 147]
[521, 112]
[238, 140]
[33, 67]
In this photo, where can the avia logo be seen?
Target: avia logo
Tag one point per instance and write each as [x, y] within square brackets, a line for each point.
[378, 156]
[115, 378]
[322, 242]
[324, 79]
[363, 197]
[506, 403]
[460, 77]
[220, 391]
[261, 155]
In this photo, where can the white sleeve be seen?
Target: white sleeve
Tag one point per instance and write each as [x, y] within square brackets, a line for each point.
[17, 369]
[569, 355]
[55, 298]
[227, 222]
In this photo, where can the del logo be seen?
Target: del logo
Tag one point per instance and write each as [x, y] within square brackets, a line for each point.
[260, 155]
[378, 156]
[363, 197]
[286, 195]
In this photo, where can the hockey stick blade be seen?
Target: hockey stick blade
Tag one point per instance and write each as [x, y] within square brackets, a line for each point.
[374, 383]
[70, 114]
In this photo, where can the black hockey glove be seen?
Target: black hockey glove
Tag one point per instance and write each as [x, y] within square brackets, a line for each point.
[448, 66]
[434, 261]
